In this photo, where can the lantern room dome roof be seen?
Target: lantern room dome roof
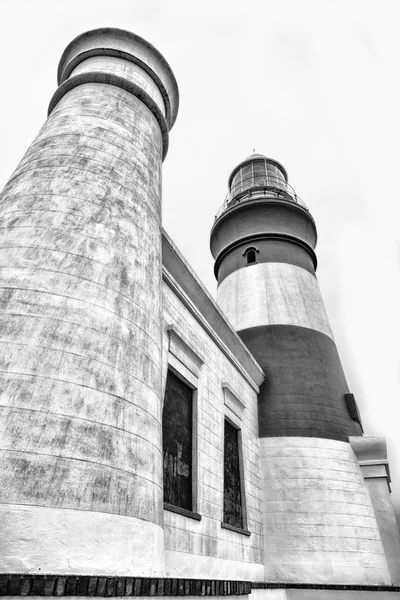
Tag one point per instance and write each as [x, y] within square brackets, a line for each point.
[256, 157]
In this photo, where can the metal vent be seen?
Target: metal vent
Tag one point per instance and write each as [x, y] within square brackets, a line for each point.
[352, 407]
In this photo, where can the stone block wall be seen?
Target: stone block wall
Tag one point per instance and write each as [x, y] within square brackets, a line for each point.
[204, 548]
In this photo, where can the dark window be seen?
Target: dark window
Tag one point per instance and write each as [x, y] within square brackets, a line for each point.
[251, 257]
[177, 442]
[233, 513]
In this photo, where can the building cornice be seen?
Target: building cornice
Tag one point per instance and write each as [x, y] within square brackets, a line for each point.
[179, 277]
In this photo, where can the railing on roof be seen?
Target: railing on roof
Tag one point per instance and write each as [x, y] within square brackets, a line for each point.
[257, 188]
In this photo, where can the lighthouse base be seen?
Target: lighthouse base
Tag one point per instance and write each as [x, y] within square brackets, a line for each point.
[319, 522]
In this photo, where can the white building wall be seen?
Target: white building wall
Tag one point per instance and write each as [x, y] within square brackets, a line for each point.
[203, 548]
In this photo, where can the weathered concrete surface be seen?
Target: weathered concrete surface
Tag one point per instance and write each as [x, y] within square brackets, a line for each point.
[372, 456]
[319, 523]
[203, 548]
[320, 594]
[386, 520]
[70, 540]
[80, 338]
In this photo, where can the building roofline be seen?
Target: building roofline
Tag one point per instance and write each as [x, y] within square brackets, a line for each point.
[180, 277]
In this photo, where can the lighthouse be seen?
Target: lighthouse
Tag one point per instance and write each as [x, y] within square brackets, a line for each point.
[81, 467]
[319, 523]
[154, 442]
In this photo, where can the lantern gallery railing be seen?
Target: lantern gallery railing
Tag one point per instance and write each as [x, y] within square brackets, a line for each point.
[253, 188]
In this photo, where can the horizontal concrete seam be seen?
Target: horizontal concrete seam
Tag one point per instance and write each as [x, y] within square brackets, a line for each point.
[220, 491]
[298, 408]
[328, 482]
[44, 146]
[82, 460]
[87, 152]
[67, 169]
[218, 440]
[18, 173]
[329, 387]
[78, 234]
[282, 490]
[88, 159]
[333, 444]
[225, 559]
[219, 450]
[324, 459]
[314, 402]
[68, 132]
[256, 526]
[74, 230]
[82, 356]
[34, 375]
[38, 210]
[307, 536]
[75, 102]
[12, 197]
[85, 510]
[231, 543]
[55, 250]
[347, 458]
[247, 460]
[309, 419]
[355, 526]
[323, 512]
[328, 478]
[211, 521]
[307, 501]
[96, 176]
[14, 408]
[50, 159]
[117, 81]
[77, 300]
[47, 318]
[73, 275]
[326, 551]
[329, 434]
[203, 483]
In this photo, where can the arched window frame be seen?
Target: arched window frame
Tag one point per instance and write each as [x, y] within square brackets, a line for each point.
[253, 250]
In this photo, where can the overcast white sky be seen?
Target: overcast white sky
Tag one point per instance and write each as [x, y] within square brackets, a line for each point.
[314, 84]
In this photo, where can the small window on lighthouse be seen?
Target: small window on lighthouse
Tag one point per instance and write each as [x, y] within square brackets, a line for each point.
[251, 255]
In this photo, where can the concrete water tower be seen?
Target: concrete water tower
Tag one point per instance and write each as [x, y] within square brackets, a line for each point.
[319, 522]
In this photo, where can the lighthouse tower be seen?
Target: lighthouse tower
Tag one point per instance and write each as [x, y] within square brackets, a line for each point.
[318, 514]
[81, 380]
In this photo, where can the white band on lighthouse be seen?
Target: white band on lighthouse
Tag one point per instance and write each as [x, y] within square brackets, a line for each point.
[273, 294]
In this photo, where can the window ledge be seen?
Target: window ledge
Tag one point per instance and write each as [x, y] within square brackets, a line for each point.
[237, 529]
[182, 511]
